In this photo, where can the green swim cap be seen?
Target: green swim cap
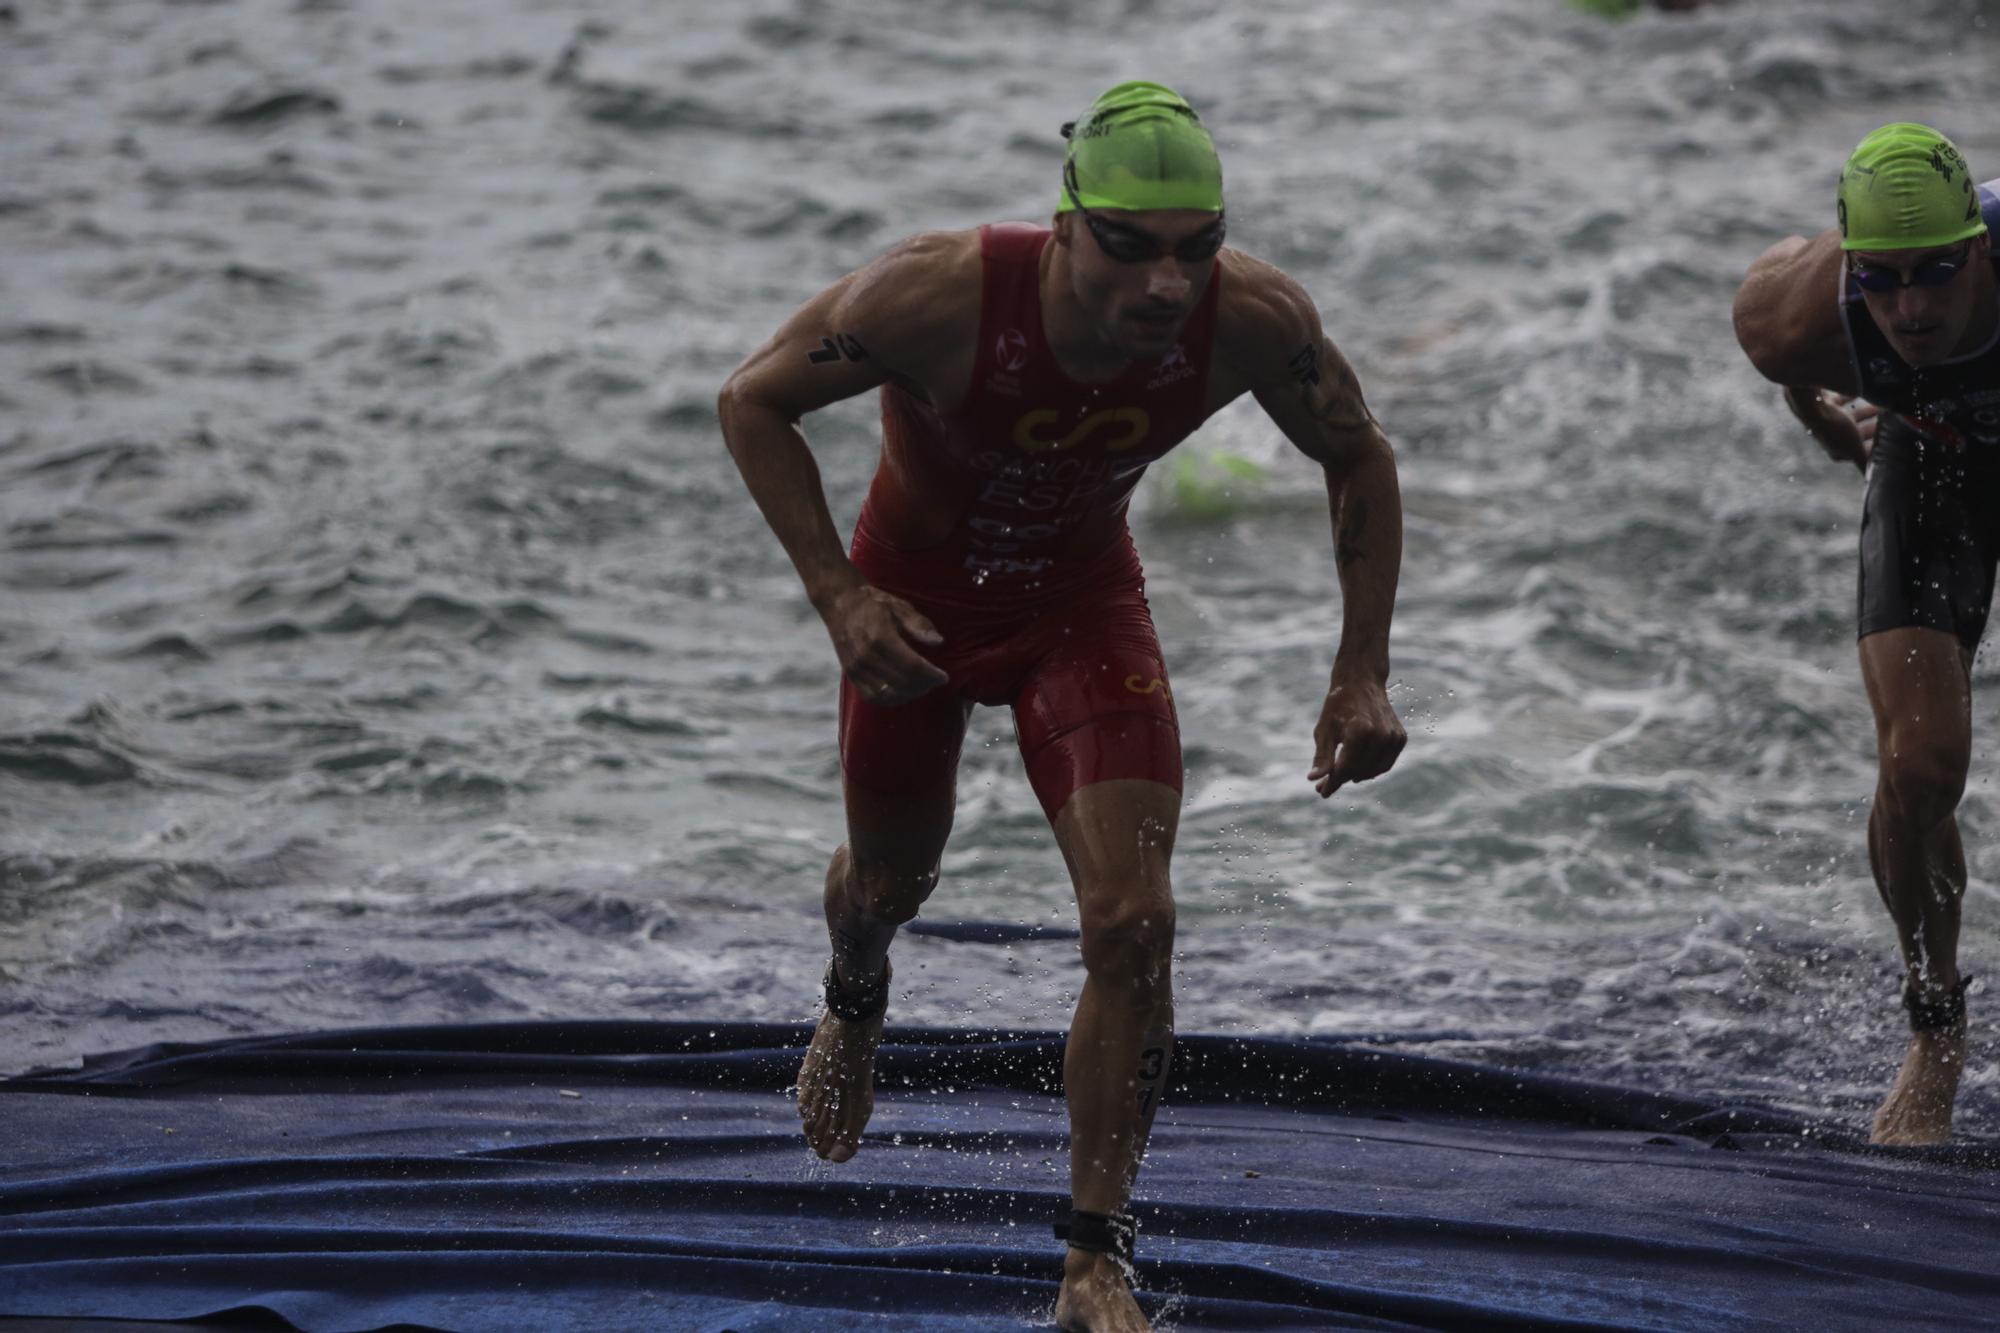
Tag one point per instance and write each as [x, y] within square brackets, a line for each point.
[1140, 147]
[1907, 188]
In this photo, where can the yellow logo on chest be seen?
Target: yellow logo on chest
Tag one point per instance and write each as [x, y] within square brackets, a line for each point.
[1124, 427]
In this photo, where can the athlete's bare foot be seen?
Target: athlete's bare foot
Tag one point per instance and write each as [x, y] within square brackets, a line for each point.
[1918, 1108]
[837, 1085]
[1095, 1296]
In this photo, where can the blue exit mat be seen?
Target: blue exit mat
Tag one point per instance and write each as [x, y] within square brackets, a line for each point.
[607, 1176]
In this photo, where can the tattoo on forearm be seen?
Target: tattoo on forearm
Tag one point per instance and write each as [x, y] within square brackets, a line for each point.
[1353, 525]
[846, 347]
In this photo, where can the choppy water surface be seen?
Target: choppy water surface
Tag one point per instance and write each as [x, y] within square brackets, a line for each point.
[385, 636]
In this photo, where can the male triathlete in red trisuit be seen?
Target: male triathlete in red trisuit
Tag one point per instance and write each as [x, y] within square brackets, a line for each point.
[1028, 376]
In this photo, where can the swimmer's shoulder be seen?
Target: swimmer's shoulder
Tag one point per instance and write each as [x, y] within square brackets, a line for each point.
[917, 306]
[1264, 319]
[923, 290]
[1788, 317]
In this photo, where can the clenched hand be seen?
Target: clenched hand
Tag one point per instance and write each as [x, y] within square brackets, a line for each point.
[1843, 425]
[1358, 737]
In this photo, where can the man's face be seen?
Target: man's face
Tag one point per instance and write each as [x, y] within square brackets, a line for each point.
[1924, 318]
[1139, 275]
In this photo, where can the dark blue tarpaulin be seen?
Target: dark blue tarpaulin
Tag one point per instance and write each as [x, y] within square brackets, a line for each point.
[603, 1176]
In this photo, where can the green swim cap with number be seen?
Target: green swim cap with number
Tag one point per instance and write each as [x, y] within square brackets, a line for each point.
[1140, 147]
[1907, 188]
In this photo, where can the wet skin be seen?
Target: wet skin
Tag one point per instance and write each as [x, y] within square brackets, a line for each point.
[916, 314]
[1927, 325]
[1918, 680]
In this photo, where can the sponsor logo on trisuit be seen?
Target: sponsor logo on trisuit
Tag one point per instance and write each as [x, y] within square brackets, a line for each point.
[1121, 428]
[1173, 368]
[1010, 350]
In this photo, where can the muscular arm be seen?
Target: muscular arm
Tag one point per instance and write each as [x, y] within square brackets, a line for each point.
[851, 338]
[1307, 388]
[1788, 322]
[883, 322]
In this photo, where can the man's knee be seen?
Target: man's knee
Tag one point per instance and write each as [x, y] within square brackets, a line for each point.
[886, 890]
[1129, 941]
[1923, 784]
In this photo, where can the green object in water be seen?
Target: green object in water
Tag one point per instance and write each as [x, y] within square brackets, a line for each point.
[1215, 483]
[1610, 9]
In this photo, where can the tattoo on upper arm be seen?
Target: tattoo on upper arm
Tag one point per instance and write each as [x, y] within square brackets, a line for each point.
[1305, 366]
[848, 347]
[1328, 389]
[1353, 526]
[1340, 405]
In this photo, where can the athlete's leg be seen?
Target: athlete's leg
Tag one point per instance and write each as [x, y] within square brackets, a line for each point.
[1928, 546]
[876, 882]
[1117, 838]
[1097, 727]
[1919, 683]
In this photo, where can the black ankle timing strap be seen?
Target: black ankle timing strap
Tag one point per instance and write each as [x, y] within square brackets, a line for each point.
[1114, 1234]
[856, 1004]
[1936, 1015]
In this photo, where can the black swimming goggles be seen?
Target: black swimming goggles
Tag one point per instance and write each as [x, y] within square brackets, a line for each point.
[1931, 273]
